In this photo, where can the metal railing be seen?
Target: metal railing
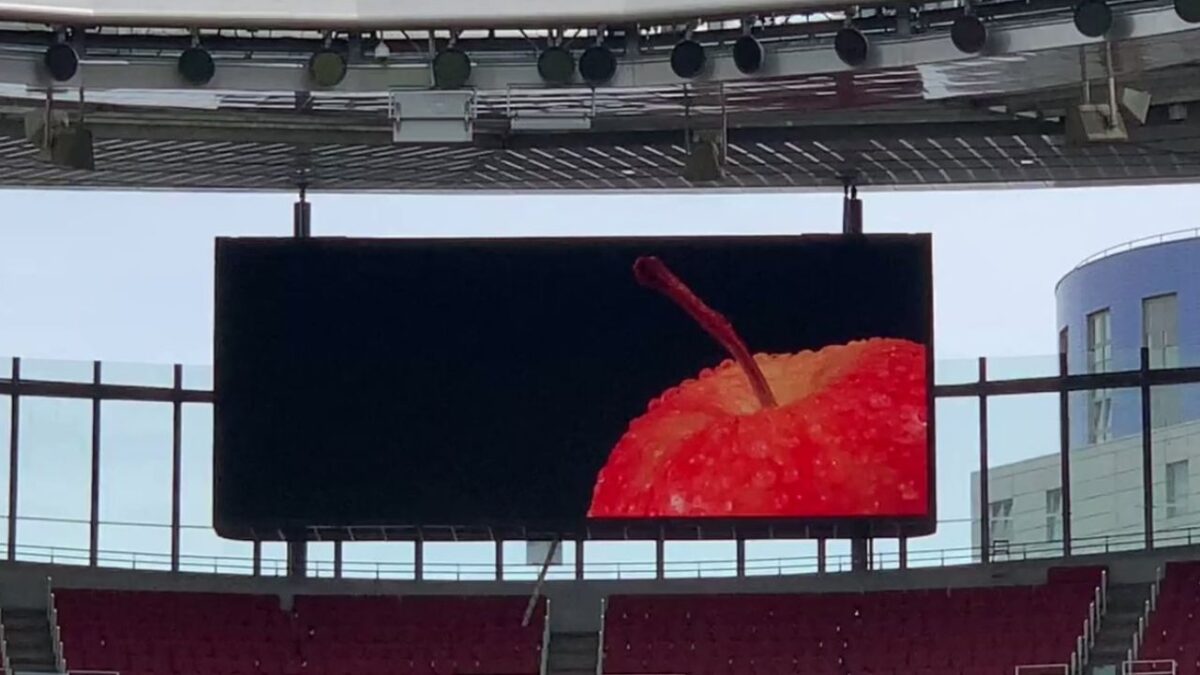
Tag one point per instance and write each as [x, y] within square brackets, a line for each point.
[60, 659]
[600, 642]
[1151, 604]
[1150, 667]
[1043, 669]
[1091, 625]
[544, 662]
[4, 663]
[1141, 242]
[640, 569]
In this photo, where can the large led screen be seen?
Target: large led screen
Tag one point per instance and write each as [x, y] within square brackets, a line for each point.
[569, 382]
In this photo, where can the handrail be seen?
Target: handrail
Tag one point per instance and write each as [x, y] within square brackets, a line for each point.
[1140, 242]
[60, 659]
[600, 643]
[467, 571]
[1148, 607]
[1130, 667]
[4, 662]
[1064, 667]
[544, 664]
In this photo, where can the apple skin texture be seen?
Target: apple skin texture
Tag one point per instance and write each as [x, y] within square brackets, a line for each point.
[848, 438]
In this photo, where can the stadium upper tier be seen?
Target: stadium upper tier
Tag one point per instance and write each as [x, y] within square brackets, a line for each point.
[913, 109]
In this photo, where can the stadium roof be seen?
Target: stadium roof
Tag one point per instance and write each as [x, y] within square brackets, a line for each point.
[920, 114]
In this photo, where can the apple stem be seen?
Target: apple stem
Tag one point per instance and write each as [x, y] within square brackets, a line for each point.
[654, 274]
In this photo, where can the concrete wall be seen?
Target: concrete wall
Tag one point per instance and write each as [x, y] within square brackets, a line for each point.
[575, 605]
[1119, 283]
[1106, 488]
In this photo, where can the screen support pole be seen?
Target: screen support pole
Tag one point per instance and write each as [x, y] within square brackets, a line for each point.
[541, 579]
[852, 225]
[297, 550]
[302, 215]
[852, 220]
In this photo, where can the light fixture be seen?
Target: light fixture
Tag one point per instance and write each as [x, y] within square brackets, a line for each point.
[748, 55]
[382, 51]
[327, 67]
[1093, 18]
[196, 65]
[556, 65]
[451, 68]
[851, 46]
[1188, 10]
[61, 61]
[688, 59]
[597, 65]
[968, 34]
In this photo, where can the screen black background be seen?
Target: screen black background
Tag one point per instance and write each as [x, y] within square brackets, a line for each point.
[460, 382]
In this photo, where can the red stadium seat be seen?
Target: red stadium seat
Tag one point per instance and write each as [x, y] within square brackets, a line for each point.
[970, 631]
[153, 633]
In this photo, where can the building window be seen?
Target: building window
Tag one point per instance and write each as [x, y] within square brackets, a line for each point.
[1054, 514]
[1001, 520]
[1099, 360]
[1160, 337]
[1178, 488]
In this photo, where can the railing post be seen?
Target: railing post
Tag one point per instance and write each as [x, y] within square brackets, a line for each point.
[660, 555]
[579, 562]
[740, 554]
[500, 558]
[418, 559]
[337, 559]
[821, 558]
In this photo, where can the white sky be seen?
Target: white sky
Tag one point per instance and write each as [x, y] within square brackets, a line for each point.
[128, 276]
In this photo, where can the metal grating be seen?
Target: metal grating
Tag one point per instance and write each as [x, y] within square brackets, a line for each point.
[900, 156]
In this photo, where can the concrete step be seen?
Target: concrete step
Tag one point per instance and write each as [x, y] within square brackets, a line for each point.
[571, 671]
[560, 661]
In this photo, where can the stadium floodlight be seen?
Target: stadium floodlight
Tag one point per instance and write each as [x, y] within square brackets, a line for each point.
[556, 65]
[451, 68]
[597, 64]
[688, 58]
[1093, 18]
[61, 61]
[1188, 10]
[748, 55]
[851, 46]
[327, 67]
[968, 34]
[196, 65]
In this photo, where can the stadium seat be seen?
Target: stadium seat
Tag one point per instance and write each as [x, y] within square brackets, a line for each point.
[155, 633]
[968, 631]
[1174, 626]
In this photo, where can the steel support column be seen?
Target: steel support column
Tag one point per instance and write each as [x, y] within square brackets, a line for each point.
[985, 501]
[1147, 452]
[14, 436]
[94, 512]
[1064, 453]
[176, 466]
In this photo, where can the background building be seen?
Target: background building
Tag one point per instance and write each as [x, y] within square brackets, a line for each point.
[1144, 293]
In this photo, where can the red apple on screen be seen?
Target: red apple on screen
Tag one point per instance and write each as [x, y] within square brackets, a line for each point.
[836, 432]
